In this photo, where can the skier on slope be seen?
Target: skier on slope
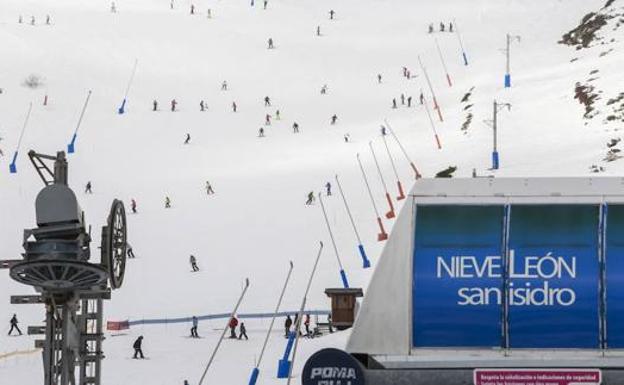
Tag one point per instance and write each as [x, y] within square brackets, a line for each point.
[192, 9]
[267, 101]
[224, 85]
[394, 103]
[209, 189]
[188, 138]
[174, 103]
[451, 27]
[261, 132]
[202, 106]
[193, 262]
[167, 203]
[431, 28]
[295, 128]
[422, 98]
[243, 331]
[234, 107]
[402, 99]
[113, 7]
[409, 101]
[334, 118]
[14, 323]
[328, 188]
[310, 198]
[138, 351]
[155, 105]
[383, 130]
[271, 46]
[267, 119]
[47, 19]
[233, 324]
[318, 30]
[129, 251]
[331, 14]
[266, 2]
[379, 78]
[277, 115]
[324, 89]
[287, 324]
[133, 206]
[347, 137]
[194, 328]
[441, 27]
[88, 188]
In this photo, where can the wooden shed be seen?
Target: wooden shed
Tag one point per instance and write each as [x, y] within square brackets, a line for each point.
[343, 306]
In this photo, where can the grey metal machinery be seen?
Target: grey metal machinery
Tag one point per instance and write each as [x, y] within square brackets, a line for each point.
[56, 263]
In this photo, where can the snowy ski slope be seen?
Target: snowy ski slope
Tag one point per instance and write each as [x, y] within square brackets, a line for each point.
[257, 220]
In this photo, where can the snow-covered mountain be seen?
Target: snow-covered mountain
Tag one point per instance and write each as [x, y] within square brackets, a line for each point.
[257, 220]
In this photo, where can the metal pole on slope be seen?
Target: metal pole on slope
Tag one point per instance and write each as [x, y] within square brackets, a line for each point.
[396, 138]
[461, 43]
[390, 214]
[365, 260]
[396, 174]
[214, 352]
[300, 314]
[13, 166]
[497, 107]
[508, 39]
[122, 109]
[343, 275]
[382, 236]
[436, 106]
[256, 370]
[70, 147]
[448, 77]
[435, 132]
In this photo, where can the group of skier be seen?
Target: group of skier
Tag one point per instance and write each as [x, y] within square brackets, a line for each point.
[442, 27]
[48, 20]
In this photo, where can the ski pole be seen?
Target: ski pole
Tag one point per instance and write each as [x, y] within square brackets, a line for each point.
[13, 166]
[396, 174]
[448, 77]
[123, 104]
[396, 138]
[343, 275]
[435, 133]
[300, 314]
[382, 236]
[256, 371]
[390, 214]
[436, 106]
[365, 261]
[70, 146]
[214, 352]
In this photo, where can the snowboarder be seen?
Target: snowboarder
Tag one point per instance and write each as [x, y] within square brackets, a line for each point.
[267, 120]
[287, 324]
[243, 331]
[14, 323]
[188, 138]
[234, 107]
[277, 115]
[155, 105]
[194, 328]
[441, 27]
[379, 78]
[88, 188]
[267, 101]
[394, 104]
[331, 14]
[324, 89]
[133, 206]
[295, 128]
[209, 189]
[174, 103]
[306, 323]
[192, 9]
[193, 262]
[202, 106]
[224, 86]
[266, 2]
[129, 251]
[261, 133]
[402, 99]
[328, 188]
[409, 101]
[383, 130]
[138, 351]
[318, 30]
[167, 203]
[271, 43]
[431, 28]
[310, 198]
[334, 118]
[233, 324]
[113, 7]
[422, 98]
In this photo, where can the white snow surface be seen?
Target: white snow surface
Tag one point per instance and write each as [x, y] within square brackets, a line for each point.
[257, 220]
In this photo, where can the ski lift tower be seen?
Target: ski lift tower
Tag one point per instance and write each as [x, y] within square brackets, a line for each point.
[56, 263]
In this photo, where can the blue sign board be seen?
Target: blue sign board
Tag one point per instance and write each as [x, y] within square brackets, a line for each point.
[615, 276]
